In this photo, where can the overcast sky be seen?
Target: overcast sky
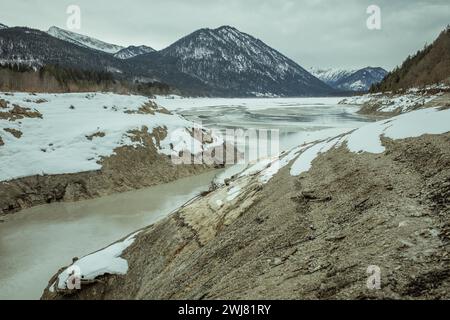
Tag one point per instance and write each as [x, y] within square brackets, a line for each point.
[320, 33]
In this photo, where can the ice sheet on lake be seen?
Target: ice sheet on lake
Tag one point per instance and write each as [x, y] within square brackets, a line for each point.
[179, 103]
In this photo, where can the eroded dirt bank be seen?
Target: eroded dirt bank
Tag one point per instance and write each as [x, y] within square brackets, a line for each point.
[130, 168]
[306, 237]
[68, 147]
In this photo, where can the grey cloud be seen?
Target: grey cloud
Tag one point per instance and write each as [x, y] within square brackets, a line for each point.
[323, 33]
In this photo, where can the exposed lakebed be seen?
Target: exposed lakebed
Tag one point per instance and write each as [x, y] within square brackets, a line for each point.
[34, 243]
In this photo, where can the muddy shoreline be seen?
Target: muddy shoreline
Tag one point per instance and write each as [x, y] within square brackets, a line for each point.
[307, 237]
[129, 168]
[38, 240]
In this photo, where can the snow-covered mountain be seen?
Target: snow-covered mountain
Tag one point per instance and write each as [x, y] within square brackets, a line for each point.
[83, 41]
[133, 51]
[362, 79]
[2, 26]
[92, 43]
[234, 63]
[350, 80]
[36, 49]
[331, 75]
[213, 62]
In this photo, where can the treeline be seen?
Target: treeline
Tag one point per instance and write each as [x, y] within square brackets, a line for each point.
[427, 66]
[54, 78]
[68, 75]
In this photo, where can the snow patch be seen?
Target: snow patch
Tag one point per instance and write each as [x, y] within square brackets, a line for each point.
[106, 261]
[368, 138]
[408, 125]
[304, 161]
[233, 193]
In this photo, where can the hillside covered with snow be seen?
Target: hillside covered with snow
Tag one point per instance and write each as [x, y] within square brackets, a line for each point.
[83, 41]
[233, 62]
[331, 75]
[133, 51]
[352, 79]
[69, 133]
[400, 102]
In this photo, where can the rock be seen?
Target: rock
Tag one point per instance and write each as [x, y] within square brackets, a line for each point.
[335, 238]
[277, 261]
[3, 104]
[16, 133]
[402, 224]
[308, 195]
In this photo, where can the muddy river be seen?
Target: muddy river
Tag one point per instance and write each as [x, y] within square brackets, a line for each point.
[36, 242]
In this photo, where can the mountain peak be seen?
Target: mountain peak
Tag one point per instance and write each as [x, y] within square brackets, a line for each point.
[133, 51]
[351, 79]
[230, 60]
[54, 29]
[226, 28]
[83, 41]
[2, 26]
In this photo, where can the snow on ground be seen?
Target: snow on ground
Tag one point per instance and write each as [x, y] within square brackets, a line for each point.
[401, 102]
[257, 167]
[408, 125]
[280, 163]
[272, 164]
[264, 170]
[106, 261]
[233, 193]
[368, 138]
[304, 161]
[58, 142]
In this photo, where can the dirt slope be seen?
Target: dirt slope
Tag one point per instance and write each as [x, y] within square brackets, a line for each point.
[309, 237]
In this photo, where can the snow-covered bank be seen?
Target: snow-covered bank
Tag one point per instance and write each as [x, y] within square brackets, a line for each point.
[364, 139]
[396, 103]
[106, 261]
[69, 147]
[368, 138]
[72, 133]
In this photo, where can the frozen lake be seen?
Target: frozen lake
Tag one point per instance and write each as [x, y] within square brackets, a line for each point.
[297, 119]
